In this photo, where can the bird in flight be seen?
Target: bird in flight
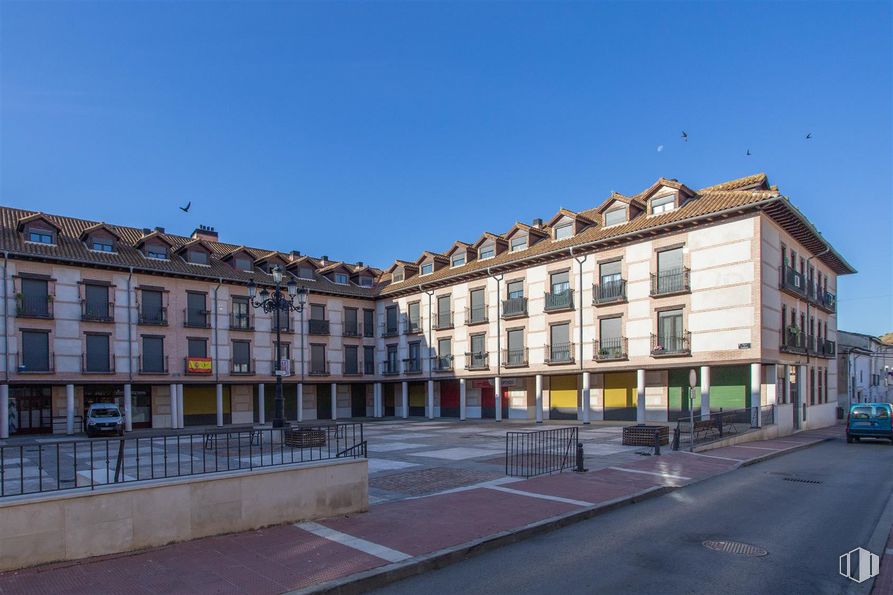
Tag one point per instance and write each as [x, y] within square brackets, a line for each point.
[684, 136]
[809, 136]
[748, 152]
[186, 208]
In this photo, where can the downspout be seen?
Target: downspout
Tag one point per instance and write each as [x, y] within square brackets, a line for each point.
[580, 262]
[217, 334]
[498, 278]
[430, 338]
[5, 319]
[129, 329]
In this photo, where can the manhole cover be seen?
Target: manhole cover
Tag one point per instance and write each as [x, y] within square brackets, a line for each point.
[735, 547]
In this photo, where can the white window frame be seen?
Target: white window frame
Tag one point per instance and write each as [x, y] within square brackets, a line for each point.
[513, 247]
[427, 268]
[455, 257]
[665, 207]
[489, 246]
[616, 210]
[342, 279]
[569, 225]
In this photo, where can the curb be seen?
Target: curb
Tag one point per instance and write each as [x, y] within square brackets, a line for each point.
[383, 575]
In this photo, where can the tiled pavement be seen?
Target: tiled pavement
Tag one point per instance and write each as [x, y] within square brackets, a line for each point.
[473, 501]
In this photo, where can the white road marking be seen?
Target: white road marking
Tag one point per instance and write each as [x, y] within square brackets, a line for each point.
[697, 454]
[756, 447]
[669, 475]
[367, 547]
[540, 496]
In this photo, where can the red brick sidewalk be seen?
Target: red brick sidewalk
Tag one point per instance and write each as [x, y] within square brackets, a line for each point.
[883, 584]
[289, 557]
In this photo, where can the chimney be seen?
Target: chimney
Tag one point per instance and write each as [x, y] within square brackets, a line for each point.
[146, 231]
[159, 229]
[204, 232]
[360, 264]
[538, 223]
[294, 255]
[325, 260]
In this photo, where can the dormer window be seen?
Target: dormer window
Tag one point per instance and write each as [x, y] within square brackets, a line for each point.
[564, 230]
[102, 245]
[365, 281]
[663, 204]
[488, 250]
[156, 251]
[41, 236]
[427, 268]
[197, 257]
[518, 242]
[305, 273]
[615, 216]
[244, 264]
[341, 279]
[397, 277]
[457, 260]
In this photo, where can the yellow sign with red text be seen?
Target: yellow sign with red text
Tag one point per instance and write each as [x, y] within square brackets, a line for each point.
[198, 365]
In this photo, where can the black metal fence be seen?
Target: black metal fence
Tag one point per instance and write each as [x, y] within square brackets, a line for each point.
[48, 467]
[718, 425]
[539, 452]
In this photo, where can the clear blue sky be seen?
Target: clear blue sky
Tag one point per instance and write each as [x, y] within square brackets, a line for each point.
[378, 130]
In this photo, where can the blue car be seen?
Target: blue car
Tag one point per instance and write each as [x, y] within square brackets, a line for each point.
[869, 420]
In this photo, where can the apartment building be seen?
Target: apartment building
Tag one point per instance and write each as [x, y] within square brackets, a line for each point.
[591, 315]
[865, 369]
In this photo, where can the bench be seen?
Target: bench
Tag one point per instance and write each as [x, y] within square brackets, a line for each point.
[210, 438]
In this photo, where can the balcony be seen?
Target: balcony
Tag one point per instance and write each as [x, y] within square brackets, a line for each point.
[826, 300]
[368, 330]
[792, 281]
[671, 345]
[98, 365]
[442, 363]
[514, 307]
[352, 329]
[444, 320]
[369, 368]
[286, 366]
[477, 361]
[390, 368]
[559, 353]
[389, 330]
[153, 365]
[412, 366]
[476, 315]
[811, 341]
[318, 368]
[240, 322]
[97, 312]
[670, 282]
[609, 293]
[42, 363]
[34, 306]
[412, 327]
[352, 368]
[792, 340]
[196, 319]
[829, 348]
[515, 358]
[243, 367]
[317, 327]
[152, 317]
[608, 350]
[559, 300]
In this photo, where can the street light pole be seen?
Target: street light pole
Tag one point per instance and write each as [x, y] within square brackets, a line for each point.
[277, 303]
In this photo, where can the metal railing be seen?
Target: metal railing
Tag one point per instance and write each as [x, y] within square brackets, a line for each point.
[672, 281]
[718, 425]
[477, 361]
[34, 306]
[390, 331]
[390, 368]
[317, 327]
[152, 317]
[286, 371]
[412, 327]
[826, 300]
[97, 312]
[671, 344]
[153, 367]
[792, 340]
[196, 318]
[560, 353]
[513, 307]
[443, 363]
[829, 348]
[369, 367]
[318, 368]
[36, 367]
[92, 463]
[443, 320]
[792, 280]
[540, 452]
[412, 366]
[243, 368]
[240, 322]
[352, 368]
[476, 315]
[98, 365]
[352, 329]
[514, 358]
[606, 293]
[610, 349]
[559, 300]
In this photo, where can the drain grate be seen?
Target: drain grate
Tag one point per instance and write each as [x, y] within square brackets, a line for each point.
[798, 480]
[735, 547]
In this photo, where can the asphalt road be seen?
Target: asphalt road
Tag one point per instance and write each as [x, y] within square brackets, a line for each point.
[656, 546]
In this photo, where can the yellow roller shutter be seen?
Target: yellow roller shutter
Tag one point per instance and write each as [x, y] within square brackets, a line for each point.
[620, 390]
[563, 397]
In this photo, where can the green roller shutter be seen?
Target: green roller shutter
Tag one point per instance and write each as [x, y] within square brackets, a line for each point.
[729, 387]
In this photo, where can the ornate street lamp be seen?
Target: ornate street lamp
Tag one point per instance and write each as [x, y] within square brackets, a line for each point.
[277, 302]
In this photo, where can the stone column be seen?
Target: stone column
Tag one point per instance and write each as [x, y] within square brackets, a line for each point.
[705, 392]
[181, 410]
[69, 409]
[300, 401]
[334, 401]
[405, 403]
[756, 381]
[640, 396]
[539, 398]
[175, 418]
[219, 405]
[128, 408]
[585, 397]
[430, 403]
[261, 405]
[462, 405]
[4, 411]
[497, 397]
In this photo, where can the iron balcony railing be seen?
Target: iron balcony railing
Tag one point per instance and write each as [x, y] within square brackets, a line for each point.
[540, 452]
[829, 348]
[390, 368]
[352, 368]
[476, 315]
[153, 365]
[477, 361]
[352, 329]
[609, 292]
[811, 344]
[413, 327]
[610, 349]
[287, 370]
[42, 364]
[671, 344]
[792, 340]
[791, 280]
[559, 300]
[98, 364]
[826, 301]
[369, 368]
[196, 318]
[34, 306]
[444, 320]
[390, 331]
[514, 307]
[317, 327]
[318, 368]
[412, 366]
[443, 363]
[368, 330]
[243, 367]
[514, 358]
[156, 317]
[670, 282]
[560, 353]
[93, 463]
[103, 312]
[240, 321]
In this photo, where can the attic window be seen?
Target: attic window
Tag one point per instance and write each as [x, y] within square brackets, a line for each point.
[305, 273]
[427, 268]
[564, 230]
[365, 281]
[663, 204]
[519, 242]
[197, 257]
[244, 264]
[102, 245]
[397, 277]
[156, 251]
[488, 250]
[457, 260]
[341, 279]
[40, 236]
[615, 216]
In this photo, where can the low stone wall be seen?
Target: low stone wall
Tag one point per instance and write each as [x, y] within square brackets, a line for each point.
[80, 523]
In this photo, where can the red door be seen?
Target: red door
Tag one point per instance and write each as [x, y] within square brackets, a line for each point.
[449, 398]
[505, 403]
[488, 402]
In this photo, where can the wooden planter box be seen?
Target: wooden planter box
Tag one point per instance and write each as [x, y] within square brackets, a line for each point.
[298, 438]
[643, 435]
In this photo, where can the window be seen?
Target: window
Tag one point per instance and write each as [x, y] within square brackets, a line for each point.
[663, 204]
[414, 361]
[610, 344]
[35, 351]
[151, 309]
[397, 277]
[317, 312]
[368, 359]
[241, 313]
[444, 315]
[318, 364]
[559, 343]
[478, 352]
[365, 281]
[197, 347]
[96, 302]
[414, 318]
[102, 245]
[560, 282]
[615, 216]
[35, 298]
[368, 323]
[457, 260]
[444, 354]
[244, 264]
[670, 274]
[156, 251]
[284, 351]
[478, 310]
[40, 236]
[341, 279]
[153, 355]
[609, 272]
[283, 319]
[564, 230]
[515, 289]
[516, 355]
[519, 242]
[427, 268]
[391, 366]
[351, 328]
[670, 336]
[391, 327]
[488, 250]
[197, 257]
[241, 357]
[305, 273]
[351, 360]
[196, 314]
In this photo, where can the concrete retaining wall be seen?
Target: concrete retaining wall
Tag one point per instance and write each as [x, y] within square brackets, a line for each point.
[78, 524]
